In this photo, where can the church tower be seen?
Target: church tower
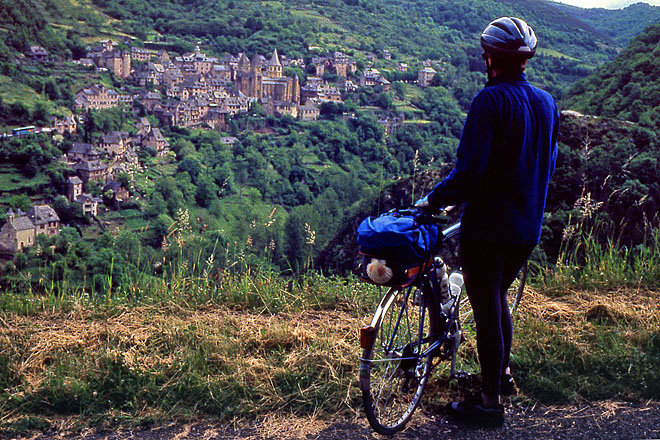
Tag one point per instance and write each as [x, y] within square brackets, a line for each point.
[295, 95]
[274, 66]
[125, 64]
[243, 64]
[256, 77]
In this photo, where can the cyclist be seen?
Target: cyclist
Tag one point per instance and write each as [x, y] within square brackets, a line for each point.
[505, 159]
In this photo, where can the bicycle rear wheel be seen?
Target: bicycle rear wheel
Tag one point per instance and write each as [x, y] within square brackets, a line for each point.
[396, 364]
[514, 295]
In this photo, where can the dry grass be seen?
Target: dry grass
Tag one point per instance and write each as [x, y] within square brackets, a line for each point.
[577, 307]
[264, 354]
[589, 345]
[291, 370]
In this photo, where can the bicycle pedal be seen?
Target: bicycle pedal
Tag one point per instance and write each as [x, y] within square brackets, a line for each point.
[465, 380]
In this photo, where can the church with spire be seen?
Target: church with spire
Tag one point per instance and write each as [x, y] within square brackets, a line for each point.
[264, 79]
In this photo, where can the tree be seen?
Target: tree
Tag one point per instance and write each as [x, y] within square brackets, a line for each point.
[206, 192]
[20, 201]
[190, 166]
[51, 89]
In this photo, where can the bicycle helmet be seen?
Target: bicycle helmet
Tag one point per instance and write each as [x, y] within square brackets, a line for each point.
[509, 36]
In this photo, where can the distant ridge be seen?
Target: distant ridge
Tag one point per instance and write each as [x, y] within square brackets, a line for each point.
[620, 25]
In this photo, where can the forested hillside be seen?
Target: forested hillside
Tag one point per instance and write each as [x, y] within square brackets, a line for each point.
[627, 88]
[269, 189]
[444, 30]
[619, 25]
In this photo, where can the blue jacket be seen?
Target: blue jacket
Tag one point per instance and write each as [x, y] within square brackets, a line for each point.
[505, 159]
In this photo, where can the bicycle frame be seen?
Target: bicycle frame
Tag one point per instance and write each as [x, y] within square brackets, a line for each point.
[411, 333]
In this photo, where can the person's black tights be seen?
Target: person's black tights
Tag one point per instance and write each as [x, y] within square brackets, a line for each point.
[489, 269]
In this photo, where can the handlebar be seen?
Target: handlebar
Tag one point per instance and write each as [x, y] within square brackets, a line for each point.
[435, 215]
[452, 230]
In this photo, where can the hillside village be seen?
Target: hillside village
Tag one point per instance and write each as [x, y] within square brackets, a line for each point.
[193, 90]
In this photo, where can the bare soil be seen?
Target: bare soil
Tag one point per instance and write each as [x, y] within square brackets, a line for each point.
[601, 421]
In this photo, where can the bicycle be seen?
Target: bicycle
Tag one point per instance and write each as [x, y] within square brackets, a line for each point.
[410, 334]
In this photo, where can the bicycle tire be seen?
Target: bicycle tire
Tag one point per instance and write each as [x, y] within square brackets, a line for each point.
[394, 368]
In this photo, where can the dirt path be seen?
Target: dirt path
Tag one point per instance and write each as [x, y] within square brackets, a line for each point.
[601, 421]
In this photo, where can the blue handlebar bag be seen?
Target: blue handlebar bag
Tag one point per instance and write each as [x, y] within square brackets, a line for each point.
[402, 239]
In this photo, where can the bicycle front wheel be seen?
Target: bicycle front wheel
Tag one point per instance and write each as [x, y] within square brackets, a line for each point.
[396, 364]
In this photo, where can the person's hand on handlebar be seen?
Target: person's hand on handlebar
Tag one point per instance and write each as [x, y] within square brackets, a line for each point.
[424, 204]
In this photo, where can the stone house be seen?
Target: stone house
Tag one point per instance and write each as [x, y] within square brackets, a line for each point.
[350, 86]
[45, 220]
[222, 72]
[115, 143]
[280, 107]
[155, 139]
[425, 76]
[320, 91]
[150, 100]
[177, 92]
[73, 188]
[105, 55]
[187, 113]
[196, 62]
[119, 193]
[67, 124]
[142, 54]
[89, 204]
[236, 104]
[17, 233]
[371, 77]
[82, 151]
[196, 85]
[96, 97]
[163, 57]
[74, 194]
[143, 126]
[37, 53]
[308, 112]
[216, 117]
[91, 170]
[126, 99]
[149, 74]
[172, 76]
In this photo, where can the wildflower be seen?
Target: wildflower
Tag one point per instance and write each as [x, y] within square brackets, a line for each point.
[209, 265]
[569, 232]
[180, 240]
[310, 235]
[587, 205]
[183, 219]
